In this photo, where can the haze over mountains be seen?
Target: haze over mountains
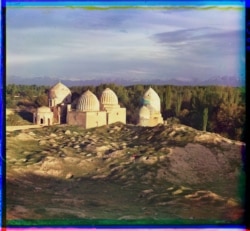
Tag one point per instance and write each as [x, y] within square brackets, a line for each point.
[216, 80]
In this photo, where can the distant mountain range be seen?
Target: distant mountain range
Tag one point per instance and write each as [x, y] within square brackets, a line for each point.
[48, 81]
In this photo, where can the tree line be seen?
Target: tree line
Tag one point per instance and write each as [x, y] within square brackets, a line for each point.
[219, 109]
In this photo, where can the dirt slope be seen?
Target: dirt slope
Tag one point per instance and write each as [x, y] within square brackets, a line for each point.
[170, 171]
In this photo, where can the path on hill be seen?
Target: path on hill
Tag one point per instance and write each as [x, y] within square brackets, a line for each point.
[21, 127]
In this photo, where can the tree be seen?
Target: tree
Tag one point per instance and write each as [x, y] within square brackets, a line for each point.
[178, 104]
[205, 118]
[41, 100]
[168, 98]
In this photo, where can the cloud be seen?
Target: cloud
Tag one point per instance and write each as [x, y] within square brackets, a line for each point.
[129, 42]
[204, 41]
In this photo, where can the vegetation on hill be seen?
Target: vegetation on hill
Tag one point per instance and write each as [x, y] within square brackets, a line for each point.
[217, 109]
[168, 174]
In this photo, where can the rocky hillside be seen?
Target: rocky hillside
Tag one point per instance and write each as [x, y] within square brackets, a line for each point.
[177, 171]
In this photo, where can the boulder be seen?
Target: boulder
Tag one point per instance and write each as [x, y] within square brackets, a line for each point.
[69, 176]
[67, 132]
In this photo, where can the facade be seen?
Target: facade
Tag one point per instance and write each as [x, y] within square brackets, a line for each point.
[43, 116]
[90, 112]
[109, 103]
[87, 113]
[150, 112]
[59, 97]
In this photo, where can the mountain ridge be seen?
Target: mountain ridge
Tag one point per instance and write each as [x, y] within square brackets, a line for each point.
[45, 80]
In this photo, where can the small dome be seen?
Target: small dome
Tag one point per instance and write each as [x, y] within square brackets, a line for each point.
[144, 112]
[109, 97]
[43, 109]
[88, 102]
[59, 90]
[152, 98]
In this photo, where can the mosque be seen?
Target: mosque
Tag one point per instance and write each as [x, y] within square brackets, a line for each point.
[150, 112]
[91, 112]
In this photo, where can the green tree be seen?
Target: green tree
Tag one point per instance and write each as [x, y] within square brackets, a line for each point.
[178, 104]
[168, 98]
[205, 118]
[42, 100]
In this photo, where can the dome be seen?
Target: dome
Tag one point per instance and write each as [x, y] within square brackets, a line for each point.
[59, 91]
[88, 102]
[43, 109]
[109, 97]
[144, 112]
[152, 99]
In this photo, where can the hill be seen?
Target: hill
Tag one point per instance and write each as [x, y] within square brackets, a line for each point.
[166, 174]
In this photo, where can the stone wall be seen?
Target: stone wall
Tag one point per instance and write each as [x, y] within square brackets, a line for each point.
[117, 115]
[86, 119]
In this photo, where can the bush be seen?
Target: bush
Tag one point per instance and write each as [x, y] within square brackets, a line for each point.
[172, 120]
[13, 120]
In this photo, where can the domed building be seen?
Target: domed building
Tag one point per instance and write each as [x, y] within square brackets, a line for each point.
[109, 103]
[88, 102]
[59, 94]
[90, 112]
[150, 112]
[59, 97]
[43, 116]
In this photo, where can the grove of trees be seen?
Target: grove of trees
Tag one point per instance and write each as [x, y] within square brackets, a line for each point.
[219, 109]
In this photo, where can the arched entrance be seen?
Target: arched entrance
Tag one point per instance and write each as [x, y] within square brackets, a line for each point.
[41, 121]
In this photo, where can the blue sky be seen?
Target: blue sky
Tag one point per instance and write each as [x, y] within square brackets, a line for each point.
[177, 43]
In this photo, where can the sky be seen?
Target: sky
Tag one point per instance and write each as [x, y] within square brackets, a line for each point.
[134, 43]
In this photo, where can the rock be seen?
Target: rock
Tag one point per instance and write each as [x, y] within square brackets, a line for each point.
[69, 176]
[102, 148]
[23, 160]
[67, 132]
[99, 176]
[53, 135]
[149, 138]
[204, 195]
[147, 191]
[42, 142]
[89, 154]
[178, 191]
[185, 188]
[231, 202]
[76, 146]
[128, 217]
[20, 209]
[54, 172]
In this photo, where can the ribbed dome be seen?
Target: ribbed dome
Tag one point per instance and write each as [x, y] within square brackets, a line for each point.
[144, 112]
[152, 98]
[43, 109]
[59, 91]
[109, 97]
[88, 102]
